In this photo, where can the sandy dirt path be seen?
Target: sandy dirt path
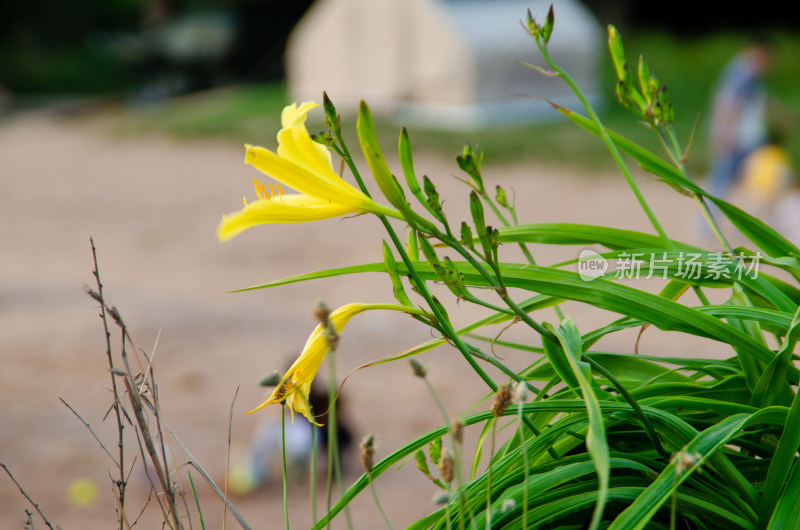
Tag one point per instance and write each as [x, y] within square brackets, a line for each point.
[152, 206]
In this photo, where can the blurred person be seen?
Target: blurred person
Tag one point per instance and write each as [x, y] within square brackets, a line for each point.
[738, 114]
[786, 215]
[260, 464]
[766, 176]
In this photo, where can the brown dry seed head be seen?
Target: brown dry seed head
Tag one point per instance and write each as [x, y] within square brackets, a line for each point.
[501, 399]
[446, 467]
[331, 336]
[684, 461]
[457, 428]
[321, 312]
[417, 368]
[367, 452]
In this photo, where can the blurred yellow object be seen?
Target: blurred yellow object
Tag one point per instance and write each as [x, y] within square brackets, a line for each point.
[82, 492]
[766, 173]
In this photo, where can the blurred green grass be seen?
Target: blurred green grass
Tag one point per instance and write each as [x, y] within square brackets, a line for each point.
[688, 66]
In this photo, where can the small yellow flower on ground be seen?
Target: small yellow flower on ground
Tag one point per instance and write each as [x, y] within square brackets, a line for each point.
[305, 166]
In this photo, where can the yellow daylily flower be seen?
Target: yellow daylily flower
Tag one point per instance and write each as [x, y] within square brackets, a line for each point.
[305, 166]
[296, 383]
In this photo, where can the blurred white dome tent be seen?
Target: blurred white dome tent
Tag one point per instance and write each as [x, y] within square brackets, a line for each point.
[445, 63]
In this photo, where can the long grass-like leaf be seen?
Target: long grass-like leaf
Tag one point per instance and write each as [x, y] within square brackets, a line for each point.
[596, 442]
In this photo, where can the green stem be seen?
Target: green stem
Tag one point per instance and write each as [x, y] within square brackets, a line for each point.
[489, 477]
[523, 247]
[442, 318]
[378, 502]
[334, 462]
[313, 470]
[283, 461]
[604, 134]
[624, 168]
[524, 447]
[456, 451]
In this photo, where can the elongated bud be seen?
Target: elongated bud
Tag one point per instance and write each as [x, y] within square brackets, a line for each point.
[435, 450]
[394, 275]
[547, 29]
[531, 23]
[377, 164]
[501, 399]
[417, 368]
[643, 72]
[466, 236]
[501, 197]
[470, 163]
[432, 202]
[407, 162]
[412, 245]
[331, 117]
[476, 208]
[665, 114]
[617, 53]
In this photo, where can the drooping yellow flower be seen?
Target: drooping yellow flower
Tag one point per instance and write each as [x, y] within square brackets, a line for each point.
[305, 166]
[296, 383]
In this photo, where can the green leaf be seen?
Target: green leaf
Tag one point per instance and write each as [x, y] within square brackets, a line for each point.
[663, 313]
[486, 431]
[596, 442]
[435, 450]
[763, 236]
[784, 459]
[787, 509]
[706, 443]
[407, 164]
[394, 275]
[582, 234]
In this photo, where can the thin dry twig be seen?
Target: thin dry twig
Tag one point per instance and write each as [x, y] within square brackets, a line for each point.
[25, 494]
[119, 483]
[150, 446]
[193, 462]
[94, 435]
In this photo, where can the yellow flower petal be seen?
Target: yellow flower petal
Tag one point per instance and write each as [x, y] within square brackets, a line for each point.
[305, 166]
[290, 208]
[295, 385]
[307, 181]
[293, 119]
[296, 145]
[294, 116]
